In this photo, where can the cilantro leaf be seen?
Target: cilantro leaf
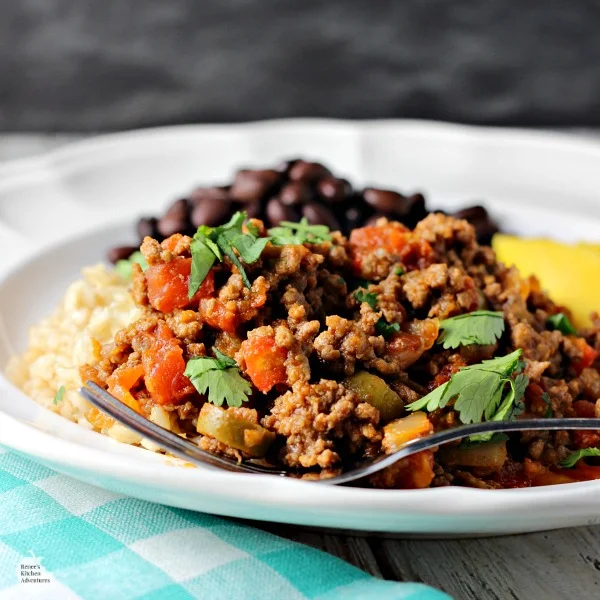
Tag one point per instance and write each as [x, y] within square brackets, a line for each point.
[125, 267]
[382, 327]
[60, 394]
[561, 322]
[212, 243]
[219, 379]
[478, 390]
[574, 457]
[203, 258]
[223, 360]
[479, 327]
[369, 297]
[399, 271]
[288, 233]
[549, 412]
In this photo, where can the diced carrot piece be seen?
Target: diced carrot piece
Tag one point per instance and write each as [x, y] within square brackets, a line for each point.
[168, 285]
[552, 478]
[589, 355]
[264, 362]
[216, 314]
[164, 366]
[121, 382]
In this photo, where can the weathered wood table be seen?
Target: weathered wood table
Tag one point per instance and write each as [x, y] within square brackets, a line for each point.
[553, 565]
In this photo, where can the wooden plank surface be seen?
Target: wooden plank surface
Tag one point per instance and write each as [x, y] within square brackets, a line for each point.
[553, 565]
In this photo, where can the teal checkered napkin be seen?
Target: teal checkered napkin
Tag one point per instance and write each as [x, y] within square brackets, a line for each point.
[62, 539]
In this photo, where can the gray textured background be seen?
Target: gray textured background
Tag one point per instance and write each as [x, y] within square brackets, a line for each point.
[94, 64]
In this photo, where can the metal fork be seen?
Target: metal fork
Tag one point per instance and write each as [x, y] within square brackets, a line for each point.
[189, 451]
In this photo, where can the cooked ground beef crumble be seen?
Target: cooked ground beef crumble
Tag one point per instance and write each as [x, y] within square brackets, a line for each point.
[299, 332]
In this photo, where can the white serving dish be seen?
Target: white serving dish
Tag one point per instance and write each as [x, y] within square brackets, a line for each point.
[61, 211]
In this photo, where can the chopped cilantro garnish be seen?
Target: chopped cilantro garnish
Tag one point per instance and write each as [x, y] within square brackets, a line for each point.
[219, 379]
[299, 233]
[561, 322]
[479, 327]
[399, 271]
[212, 243]
[369, 297]
[60, 394]
[482, 390]
[574, 457]
[549, 412]
[125, 267]
[382, 327]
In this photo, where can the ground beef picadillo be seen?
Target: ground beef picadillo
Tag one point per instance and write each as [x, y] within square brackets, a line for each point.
[299, 332]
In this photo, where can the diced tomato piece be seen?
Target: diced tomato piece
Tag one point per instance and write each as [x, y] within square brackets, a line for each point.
[583, 472]
[394, 238]
[445, 374]
[264, 362]
[121, 382]
[218, 315]
[586, 438]
[164, 366]
[168, 285]
[589, 355]
[512, 475]
[584, 409]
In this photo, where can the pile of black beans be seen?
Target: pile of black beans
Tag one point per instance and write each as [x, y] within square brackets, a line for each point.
[292, 190]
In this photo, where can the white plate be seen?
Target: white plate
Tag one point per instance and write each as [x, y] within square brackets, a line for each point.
[54, 216]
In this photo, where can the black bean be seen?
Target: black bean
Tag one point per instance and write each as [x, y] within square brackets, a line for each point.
[277, 212]
[253, 209]
[308, 172]
[484, 230]
[332, 189]
[170, 224]
[286, 165]
[387, 201]
[357, 212]
[179, 208]
[210, 212]
[252, 186]
[471, 212]
[147, 226]
[217, 194]
[417, 211]
[294, 193]
[120, 253]
[317, 214]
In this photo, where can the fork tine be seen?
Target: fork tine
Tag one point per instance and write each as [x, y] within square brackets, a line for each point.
[168, 440]
[457, 433]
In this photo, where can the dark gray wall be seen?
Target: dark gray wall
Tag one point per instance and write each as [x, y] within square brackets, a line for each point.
[105, 64]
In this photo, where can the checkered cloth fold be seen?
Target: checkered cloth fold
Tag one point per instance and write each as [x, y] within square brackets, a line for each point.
[85, 542]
